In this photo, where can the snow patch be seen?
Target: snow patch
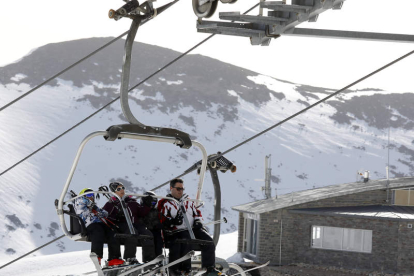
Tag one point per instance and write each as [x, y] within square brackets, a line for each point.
[233, 93]
[18, 77]
[178, 82]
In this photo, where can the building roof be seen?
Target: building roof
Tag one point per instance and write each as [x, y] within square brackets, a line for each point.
[388, 212]
[287, 200]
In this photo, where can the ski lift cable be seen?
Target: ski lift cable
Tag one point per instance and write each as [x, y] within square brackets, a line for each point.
[28, 253]
[114, 100]
[295, 115]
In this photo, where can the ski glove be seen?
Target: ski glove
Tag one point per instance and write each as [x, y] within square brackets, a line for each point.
[120, 215]
[92, 206]
[178, 220]
[197, 225]
[100, 214]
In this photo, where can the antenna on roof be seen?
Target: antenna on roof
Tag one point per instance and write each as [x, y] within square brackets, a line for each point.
[387, 169]
[388, 149]
[268, 176]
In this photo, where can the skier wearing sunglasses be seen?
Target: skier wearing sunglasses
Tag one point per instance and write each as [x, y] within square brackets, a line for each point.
[136, 212]
[172, 220]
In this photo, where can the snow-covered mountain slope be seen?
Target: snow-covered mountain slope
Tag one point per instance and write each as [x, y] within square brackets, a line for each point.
[218, 104]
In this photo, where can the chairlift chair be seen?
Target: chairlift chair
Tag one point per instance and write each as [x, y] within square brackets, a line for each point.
[139, 131]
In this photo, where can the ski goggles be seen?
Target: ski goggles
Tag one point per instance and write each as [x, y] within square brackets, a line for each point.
[120, 188]
[89, 195]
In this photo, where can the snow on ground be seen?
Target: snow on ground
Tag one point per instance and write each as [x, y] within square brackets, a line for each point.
[78, 263]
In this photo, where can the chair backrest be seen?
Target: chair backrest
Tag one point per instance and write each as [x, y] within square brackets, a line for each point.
[77, 226]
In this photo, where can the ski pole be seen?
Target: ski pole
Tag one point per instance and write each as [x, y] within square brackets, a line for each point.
[103, 220]
[216, 221]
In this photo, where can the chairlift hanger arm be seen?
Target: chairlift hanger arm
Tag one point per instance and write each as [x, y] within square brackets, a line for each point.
[137, 13]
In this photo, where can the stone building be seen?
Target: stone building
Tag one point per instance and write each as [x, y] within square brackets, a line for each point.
[354, 225]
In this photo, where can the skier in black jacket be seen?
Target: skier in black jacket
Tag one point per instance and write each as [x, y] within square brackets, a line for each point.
[152, 221]
[136, 213]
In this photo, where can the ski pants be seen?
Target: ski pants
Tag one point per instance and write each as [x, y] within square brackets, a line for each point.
[99, 232]
[158, 242]
[130, 251]
[177, 250]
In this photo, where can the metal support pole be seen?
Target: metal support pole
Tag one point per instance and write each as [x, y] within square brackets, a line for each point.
[187, 223]
[127, 217]
[350, 35]
[280, 242]
[217, 204]
[126, 68]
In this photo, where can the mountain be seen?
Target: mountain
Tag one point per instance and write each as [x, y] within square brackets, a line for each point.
[218, 104]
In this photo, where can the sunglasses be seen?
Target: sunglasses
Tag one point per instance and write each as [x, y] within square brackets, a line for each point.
[120, 188]
[89, 195]
[179, 189]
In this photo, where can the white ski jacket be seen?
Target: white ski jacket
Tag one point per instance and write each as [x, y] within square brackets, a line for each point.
[168, 209]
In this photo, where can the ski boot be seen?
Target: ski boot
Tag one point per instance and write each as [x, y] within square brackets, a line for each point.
[212, 271]
[115, 262]
[131, 261]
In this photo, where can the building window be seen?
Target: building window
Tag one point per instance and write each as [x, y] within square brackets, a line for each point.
[250, 237]
[403, 197]
[345, 239]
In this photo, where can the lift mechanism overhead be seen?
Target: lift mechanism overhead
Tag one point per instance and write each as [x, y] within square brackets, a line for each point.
[277, 18]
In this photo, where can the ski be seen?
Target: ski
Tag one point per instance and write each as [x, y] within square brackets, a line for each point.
[253, 268]
[200, 272]
[95, 261]
[183, 258]
[158, 259]
[125, 269]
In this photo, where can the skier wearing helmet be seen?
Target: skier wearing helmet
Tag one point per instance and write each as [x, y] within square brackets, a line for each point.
[136, 213]
[97, 228]
[152, 221]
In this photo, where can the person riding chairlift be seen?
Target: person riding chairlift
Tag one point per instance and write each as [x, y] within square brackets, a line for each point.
[97, 227]
[152, 221]
[136, 213]
[172, 220]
